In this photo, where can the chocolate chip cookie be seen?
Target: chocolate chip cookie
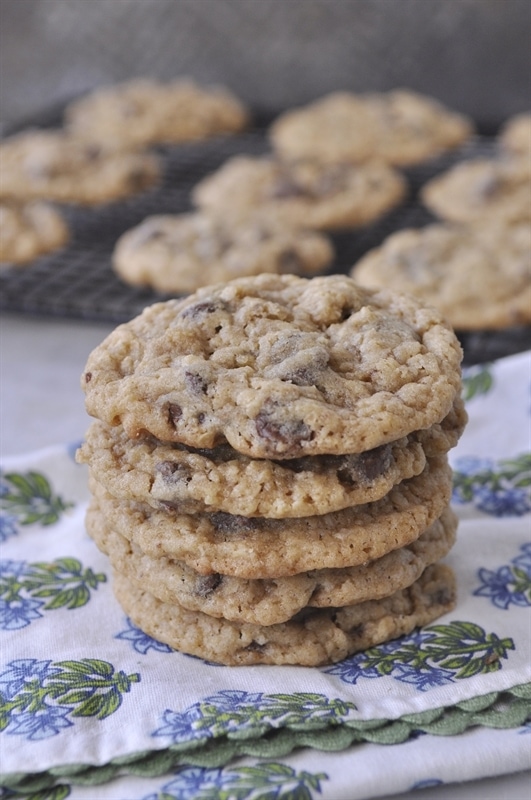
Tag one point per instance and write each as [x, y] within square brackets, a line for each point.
[145, 112]
[274, 600]
[481, 189]
[260, 547]
[198, 481]
[50, 164]
[479, 276]
[302, 194]
[313, 637]
[278, 367]
[182, 252]
[515, 135]
[401, 127]
[29, 230]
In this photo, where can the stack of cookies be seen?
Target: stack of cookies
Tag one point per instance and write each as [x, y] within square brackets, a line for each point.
[268, 467]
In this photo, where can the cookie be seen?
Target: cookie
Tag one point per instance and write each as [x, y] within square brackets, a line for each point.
[478, 276]
[199, 481]
[312, 638]
[182, 252]
[400, 127]
[481, 189]
[50, 164]
[279, 367]
[145, 112]
[274, 600]
[303, 194]
[271, 548]
[515, 135]
[29, 230]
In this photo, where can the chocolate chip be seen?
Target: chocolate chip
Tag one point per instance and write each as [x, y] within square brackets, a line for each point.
[173, 472]
[255, 647]
[442, 597]
[206, 307]
[364, 467]
[290, 262]
[88, 377]
[196, 383]
[206, 584]
[357, 630]
[291, 432]
[231, 523]
[286, 187]
[175, 412]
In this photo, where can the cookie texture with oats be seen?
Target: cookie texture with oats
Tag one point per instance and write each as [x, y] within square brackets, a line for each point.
[273, 600]
[198, 481]
[278, 367]
[179, 253]
[478, 275]
[400, 127]
[29, 230]
[52, 165]
[260, 547]
[313, 637]
[302, 194]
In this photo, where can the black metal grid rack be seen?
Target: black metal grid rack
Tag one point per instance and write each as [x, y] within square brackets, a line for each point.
[78, 281]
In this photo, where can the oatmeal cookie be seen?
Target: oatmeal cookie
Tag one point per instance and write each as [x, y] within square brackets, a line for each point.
[198, 481]
[400, 127]
[314, 637]
[515, 135]
[481, 189]
[273, 600]
[29, 230]
[258, 547]
[302, 194]
[49, 164]
[279, 367]
[145, 112]
[180, 253]
[478, 276]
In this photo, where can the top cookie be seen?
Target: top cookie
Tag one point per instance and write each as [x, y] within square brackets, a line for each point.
[144, 112]
[400, 127]
[279, 367]
[50, 164]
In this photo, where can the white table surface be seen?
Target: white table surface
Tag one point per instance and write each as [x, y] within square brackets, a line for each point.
[41, 361]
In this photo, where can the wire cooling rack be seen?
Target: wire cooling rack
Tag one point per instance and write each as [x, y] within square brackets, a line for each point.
[78, 281]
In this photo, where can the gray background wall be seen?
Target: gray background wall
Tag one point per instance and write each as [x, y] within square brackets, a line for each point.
[474, 55]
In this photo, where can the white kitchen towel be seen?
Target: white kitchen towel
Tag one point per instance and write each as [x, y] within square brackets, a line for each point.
[87, 699]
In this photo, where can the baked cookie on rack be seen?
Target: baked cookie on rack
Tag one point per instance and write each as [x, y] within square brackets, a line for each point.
[515, 135]
[400, 127]
[303, 194]
[482, 189]
[50, 164]
[29, 230]
[144, 112]
[479, 276]
[179, 253]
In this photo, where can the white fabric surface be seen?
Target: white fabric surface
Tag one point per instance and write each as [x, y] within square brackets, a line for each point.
[152, 695]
